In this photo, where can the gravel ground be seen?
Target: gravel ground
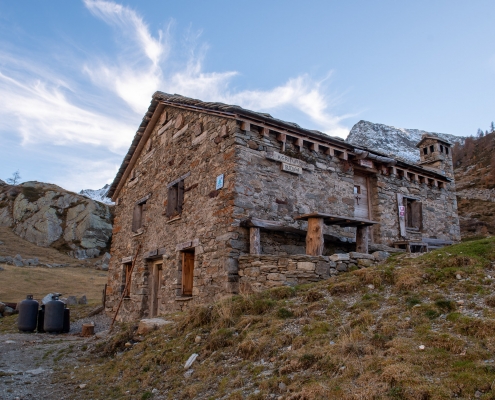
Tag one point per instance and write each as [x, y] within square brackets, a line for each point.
[29, 360]
[101, 321]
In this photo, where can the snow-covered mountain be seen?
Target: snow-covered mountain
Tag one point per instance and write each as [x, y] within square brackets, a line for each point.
[98, 194]
[398, 142]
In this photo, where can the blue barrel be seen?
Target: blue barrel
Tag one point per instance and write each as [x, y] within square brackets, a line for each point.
[54, 316]
[28, 314]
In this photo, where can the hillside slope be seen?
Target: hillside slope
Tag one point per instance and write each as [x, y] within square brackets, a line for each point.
[474, 164]
[413, 328]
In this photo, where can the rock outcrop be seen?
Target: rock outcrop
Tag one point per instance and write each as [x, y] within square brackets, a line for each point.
[392, 141]
[49, 216]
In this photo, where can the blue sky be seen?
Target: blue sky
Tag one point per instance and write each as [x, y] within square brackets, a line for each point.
[76, 76]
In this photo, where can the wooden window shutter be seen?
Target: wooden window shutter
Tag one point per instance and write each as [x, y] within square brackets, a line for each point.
[402, 219]
[136, 218]
[180, 196]
[171, 201]
[417, 214]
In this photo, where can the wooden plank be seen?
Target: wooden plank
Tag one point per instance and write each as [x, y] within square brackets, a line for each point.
[401, 214]
[361, 200]
[362, 239]
[314, 238]
[254, 241]
[187, 273]
[314, 147]
[180, 178]
[265, 132]
[245, 126]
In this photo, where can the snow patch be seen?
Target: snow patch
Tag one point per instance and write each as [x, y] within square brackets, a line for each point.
[98, 194]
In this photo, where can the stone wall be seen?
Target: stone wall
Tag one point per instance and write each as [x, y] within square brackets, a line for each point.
[478, 194]
[326, 185]
[260, 272]
[182, 143]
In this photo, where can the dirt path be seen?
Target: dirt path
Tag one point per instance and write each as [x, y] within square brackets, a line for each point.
[28, 361]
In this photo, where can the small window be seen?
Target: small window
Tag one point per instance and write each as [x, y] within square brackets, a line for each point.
[447, 150]
[357, 189]
[425, 150]
[126, 275]
[441, 149]
[432, 149]
[414, 214]
[138, 216]
[175, 199]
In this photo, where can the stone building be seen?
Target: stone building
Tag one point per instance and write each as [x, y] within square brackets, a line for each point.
[213, 198]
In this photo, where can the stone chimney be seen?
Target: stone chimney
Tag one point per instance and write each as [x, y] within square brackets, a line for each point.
[436, 153]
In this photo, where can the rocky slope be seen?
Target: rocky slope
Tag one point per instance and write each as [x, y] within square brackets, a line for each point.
[98, 194]
[49, 216]
[399, 142]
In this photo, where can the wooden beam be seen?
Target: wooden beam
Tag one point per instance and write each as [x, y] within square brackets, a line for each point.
[314, 238]
[254, 241]
[314, 147]
[362, 239]
[245, 126]
[265, 132]
[299, 143]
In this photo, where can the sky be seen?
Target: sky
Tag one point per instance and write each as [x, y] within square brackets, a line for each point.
[76, 77]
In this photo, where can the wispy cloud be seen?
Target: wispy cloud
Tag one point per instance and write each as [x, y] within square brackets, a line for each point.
[52, 104]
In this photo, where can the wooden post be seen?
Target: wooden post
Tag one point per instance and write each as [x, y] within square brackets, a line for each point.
[254, 241]
[88, 330]
[362, 239]
[314, 237]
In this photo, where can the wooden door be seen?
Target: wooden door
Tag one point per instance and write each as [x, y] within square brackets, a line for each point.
[187, 273]
[361, 200]
[155, 289]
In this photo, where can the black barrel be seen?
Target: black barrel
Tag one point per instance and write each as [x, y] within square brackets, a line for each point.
[54, 316]
[28, 314]
[41, 319]
[66, 321]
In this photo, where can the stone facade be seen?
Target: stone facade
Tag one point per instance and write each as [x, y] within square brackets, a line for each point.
[273, 172]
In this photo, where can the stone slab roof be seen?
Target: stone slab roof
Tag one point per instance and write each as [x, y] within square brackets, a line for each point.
[232, 111]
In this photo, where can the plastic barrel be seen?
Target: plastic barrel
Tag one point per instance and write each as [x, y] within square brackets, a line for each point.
[54, 316]
[28, 314]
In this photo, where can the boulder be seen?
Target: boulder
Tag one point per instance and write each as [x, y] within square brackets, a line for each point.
[82, 300]
[48, 297]
[71, 300]
[381, 255]
[8, 311]
[17, 260]
[147, 325]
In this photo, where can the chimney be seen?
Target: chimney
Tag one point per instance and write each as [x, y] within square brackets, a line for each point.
[436, 153]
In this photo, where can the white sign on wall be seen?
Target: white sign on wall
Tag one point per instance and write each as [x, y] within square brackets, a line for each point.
[219, 184]
[291, 168]
[402, 211]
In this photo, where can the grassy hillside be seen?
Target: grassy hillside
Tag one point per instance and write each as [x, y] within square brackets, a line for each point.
[413, 328]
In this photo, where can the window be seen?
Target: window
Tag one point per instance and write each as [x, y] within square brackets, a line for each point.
[357, 189]
[441, 149]
[425, 150]
[413, 213]
[432, 149]
[138, 215]
[446, 150]
[126, 275]
[175, 198]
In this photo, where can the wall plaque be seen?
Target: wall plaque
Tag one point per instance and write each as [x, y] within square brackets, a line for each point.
[291, 168]
[366, 163]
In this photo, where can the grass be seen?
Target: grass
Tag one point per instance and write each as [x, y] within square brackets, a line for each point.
[17, 282]
[421, 333]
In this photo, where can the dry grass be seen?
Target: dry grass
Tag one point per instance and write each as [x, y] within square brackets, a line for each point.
[338, 339]
[13, 244]
[17, 282]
